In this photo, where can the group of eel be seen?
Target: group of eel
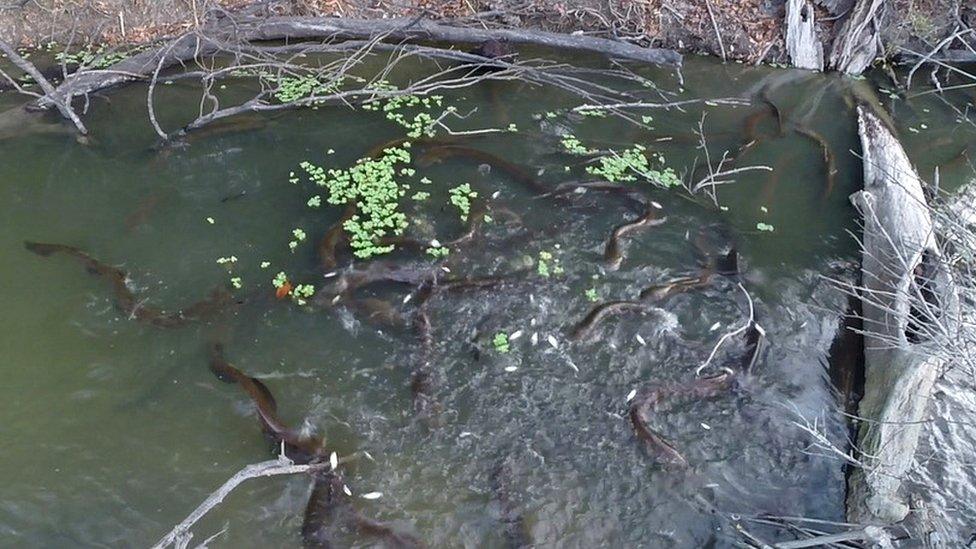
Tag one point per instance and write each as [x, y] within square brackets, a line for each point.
[329, 506]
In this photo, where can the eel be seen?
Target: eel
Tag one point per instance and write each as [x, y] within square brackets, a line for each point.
[516, 534]
[321, 510]
[425, 405]
[612, 253]
[659, 398]
[830, 165]
[328, 505]
[126, 301]
[675, 286]
[584, 329]
[299, 448]
[328, 246]
[725, 265]
[140, 216]
[441, 152]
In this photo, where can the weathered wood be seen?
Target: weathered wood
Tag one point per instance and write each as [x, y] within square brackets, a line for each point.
[802, 43]
[907, 297]
[857, 43]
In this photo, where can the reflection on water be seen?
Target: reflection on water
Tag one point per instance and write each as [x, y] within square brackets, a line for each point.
[115, 429]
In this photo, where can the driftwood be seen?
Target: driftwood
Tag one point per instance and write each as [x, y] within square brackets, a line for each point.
[858, 42]
[908, 302]
[180, 534]
[221, 34]
[801, 36]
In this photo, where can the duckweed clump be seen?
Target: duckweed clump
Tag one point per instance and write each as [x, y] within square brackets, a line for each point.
[91, 57]
[633, 163]
[461, 197]
[293, 88]
[422, 124]
[372, 185]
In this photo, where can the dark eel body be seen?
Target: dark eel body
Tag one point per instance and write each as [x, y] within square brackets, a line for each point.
[612, 251]
[300, 448]
[425, 406]
[659, 398]
[515, 532]
[726, 265]
[126, 300]
[583, 330]
[329, 505]
[440, 152]
[335, 237]
[830, 165]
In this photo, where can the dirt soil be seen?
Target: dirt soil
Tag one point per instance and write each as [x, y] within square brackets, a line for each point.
[749, 31]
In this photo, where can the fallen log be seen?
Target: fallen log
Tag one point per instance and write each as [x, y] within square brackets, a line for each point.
[909, 304]
[224, 33]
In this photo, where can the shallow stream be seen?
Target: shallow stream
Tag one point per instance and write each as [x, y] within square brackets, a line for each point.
[113, 430]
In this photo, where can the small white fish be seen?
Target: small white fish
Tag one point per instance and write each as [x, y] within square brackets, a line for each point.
[552, 341]
[330, 274]
[533, 322]
[657, 205]
[346, 490]
[496, 194]
[640, 339]
[706, 426]
[445, 269]
[715, 326]
[465, 434]
[535, 338]
[372, 495]
[511, 368]
[631, 395]
[336, 299]
[573, 366]
[407, 299]
[333, 460]
[368, 456]
[435, 243]
[515, 335]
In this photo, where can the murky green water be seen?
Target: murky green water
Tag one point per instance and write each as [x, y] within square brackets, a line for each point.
[114, 430]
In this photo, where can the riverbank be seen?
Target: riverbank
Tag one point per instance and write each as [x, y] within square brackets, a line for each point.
[748, 31]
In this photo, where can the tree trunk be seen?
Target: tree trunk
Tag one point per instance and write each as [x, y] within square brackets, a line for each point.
[857, 44]
[801, 36]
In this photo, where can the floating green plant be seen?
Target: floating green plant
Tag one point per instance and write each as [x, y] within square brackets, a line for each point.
[461, 197]
[500, 341]
[372, 184]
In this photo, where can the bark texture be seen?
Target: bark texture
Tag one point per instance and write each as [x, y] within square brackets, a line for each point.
[901, 267]
[802, 43]
[858, 42]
